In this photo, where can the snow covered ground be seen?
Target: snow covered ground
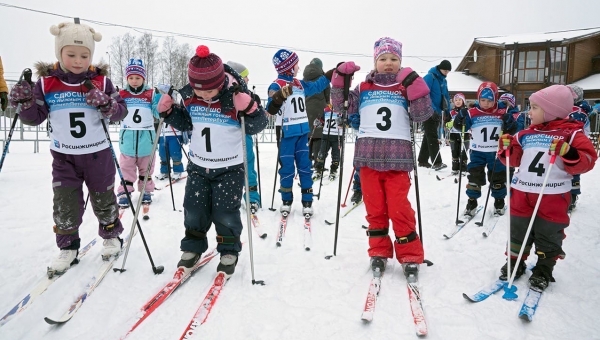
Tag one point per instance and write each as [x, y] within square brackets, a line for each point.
[305, 296]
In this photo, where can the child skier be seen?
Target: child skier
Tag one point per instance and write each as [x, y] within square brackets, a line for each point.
[212, 102]
[137, 134]
[456, 142]
[486, 123]
[79, 146]
[332, 133]
[383, 150]
[530, 150]
[170, 144]
[252, 175]
[288, 94]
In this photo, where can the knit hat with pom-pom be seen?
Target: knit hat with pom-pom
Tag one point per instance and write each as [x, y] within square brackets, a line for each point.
[205, 70]
[284, 61]
[71, 34]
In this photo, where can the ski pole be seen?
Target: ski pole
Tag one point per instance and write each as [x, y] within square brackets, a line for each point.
[155, 269]
[247, 194]
[168, 156]
[180, 144]
[258, 165]
[349, 185]
[329, 123]
[26, 74]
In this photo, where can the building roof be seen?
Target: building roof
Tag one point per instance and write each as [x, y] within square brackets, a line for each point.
[589, 83]
[457, 81]
[532, 38]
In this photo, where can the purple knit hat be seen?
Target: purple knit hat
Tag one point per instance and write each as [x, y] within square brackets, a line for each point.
[135, 66]
[508, 98]
[205, 70]
[555, 100]
[284, 60]
[387, 45]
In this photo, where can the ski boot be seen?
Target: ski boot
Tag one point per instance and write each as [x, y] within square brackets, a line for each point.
[317, 176]
[471, 207]
[425, 165]
[112, 247]
[147, 198]
[356, 197]
[63, 262]
[188, 261]
[122, 200]
[333, 171]
[455, 165]
[176, 176]
[573, 203]
[227, 264]
[378, 265]
[411, 271]
[499, 206]
[285, 208]
[542, 272]
[439, 166]
[253, 207]
[520, 269]
[307, 209]
[162, 176]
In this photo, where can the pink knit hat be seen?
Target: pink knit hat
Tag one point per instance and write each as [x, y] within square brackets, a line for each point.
[555, 100]
[461, 96]
[387, 45]
[205, 70]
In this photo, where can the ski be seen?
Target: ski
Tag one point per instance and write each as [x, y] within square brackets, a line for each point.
[307, 233]
[416, 307]
[371, 301]
[145, 211]
[486, 291]
[206, 306]
[40, 288]
[492, 226]
[353, 207]
[257, 227]
[173, 181]
[530, 304]
[462, 224]
[179, 277]
[281, 230]
[89, 289]
[122, 211]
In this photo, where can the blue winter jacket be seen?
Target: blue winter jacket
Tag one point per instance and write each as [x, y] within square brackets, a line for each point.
[139, 142]
[310, 89]
[438, 89]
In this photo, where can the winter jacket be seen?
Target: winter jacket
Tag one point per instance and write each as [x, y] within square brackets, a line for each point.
[38, 113]
[310, 88]
[3, 86]
[316, 103]
[382, 154]
[438, 90]
[138, 143]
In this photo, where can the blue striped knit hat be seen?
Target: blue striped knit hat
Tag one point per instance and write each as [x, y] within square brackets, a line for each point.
[284, 60]
[135, 66]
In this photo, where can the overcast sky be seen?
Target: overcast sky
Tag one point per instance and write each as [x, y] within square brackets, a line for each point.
[430, 30]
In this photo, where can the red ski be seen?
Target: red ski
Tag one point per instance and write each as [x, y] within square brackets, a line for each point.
[416, 307]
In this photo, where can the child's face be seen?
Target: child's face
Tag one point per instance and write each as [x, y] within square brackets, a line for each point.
[206, 94]
[247, 80]
[486, 103]
[536, 114]
[135, 81]
[296, 69]
[76, 59]
[458, 102]
[387, 63]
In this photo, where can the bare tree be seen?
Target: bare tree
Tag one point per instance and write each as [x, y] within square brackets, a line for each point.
[147, 50]
[168, 60]
[117, 54]
[181, 69]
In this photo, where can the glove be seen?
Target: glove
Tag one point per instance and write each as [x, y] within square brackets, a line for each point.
[3, 100]
[244, 103]
[165, 104]
[318, 122]
[281, 95]
[449, 125]
[105, 104]
[505, 141]
[21, 94]
[559, 147]
[348, 67]
[341, 121]
[460, 118]
[415, 85]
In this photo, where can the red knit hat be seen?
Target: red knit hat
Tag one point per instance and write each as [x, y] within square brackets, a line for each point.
[205, 70]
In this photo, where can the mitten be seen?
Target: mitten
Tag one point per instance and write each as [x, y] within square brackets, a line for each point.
[3, 100]
[105, 104]
[345, 68]
[505, 141]
[449, 125]
[282, 94]
[164, 105]
[341, 121]
[244, 103]
[21, 94]
[415, 85]
[559, 147]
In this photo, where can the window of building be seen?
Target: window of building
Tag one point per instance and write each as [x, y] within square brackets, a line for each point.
[506, 67]
[531, 66]
[558, 64]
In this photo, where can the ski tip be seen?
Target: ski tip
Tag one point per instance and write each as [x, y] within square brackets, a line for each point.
[328, 257]
[329, 223]
[525, 317]
[307, 248]
[468, 297]
[278, 244]
[365, 227]
[456, 181]
[146, 217]
[54, 322]
[263, 236]
[438, 177]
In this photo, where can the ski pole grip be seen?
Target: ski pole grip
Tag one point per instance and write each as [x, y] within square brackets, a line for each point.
[26, 75]
[88, 84]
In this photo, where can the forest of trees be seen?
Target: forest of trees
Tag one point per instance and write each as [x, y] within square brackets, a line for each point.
[167, 65]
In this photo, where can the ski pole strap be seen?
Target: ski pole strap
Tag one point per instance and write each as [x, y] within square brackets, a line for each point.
[195, 234]
[378, 232]
[63, 232]
[142, 178]
[228, 239]
[282, 189]
[130, 183]
[408, 238]
[550, 254]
